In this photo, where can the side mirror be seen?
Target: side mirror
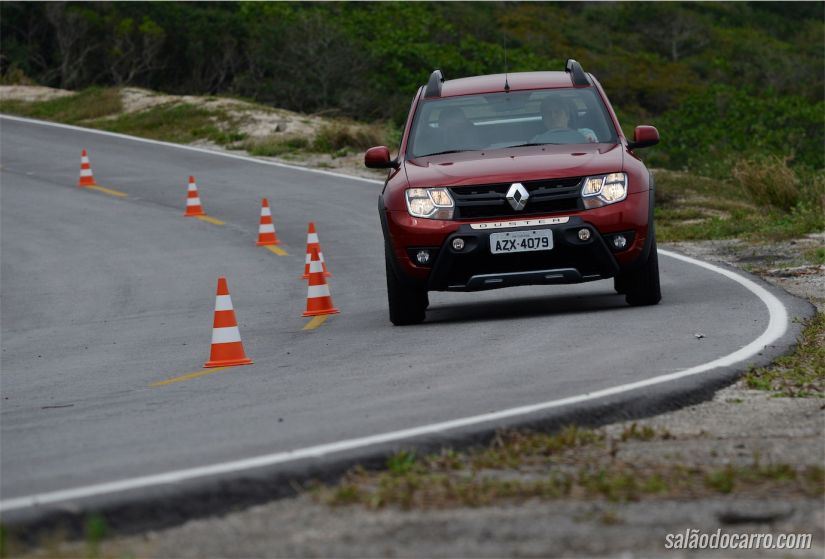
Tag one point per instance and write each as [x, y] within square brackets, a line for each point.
[379, 158]
[644, 136]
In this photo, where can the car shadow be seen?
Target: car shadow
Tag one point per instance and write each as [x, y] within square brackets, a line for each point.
[525, 307]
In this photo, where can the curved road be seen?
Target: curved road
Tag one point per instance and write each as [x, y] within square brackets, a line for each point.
[104, 296]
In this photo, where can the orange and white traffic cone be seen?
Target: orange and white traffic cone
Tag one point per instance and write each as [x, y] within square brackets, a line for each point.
[266, 229]
[319, 301]
[312, 241]
[86, 176]
[193, 200]
[227, 349]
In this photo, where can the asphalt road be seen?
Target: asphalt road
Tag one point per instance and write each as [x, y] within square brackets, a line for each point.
[103, 296]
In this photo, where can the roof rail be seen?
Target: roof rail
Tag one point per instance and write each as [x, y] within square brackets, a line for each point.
[434, 84]
[576, 73]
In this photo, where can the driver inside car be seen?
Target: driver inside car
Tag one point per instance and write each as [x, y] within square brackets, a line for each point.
[555, 116]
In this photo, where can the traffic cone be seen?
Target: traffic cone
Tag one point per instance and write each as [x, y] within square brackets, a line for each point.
[312, 241]
[266, 229]
[86, 176]
[319, 300]
[227, 349]
[193, 200]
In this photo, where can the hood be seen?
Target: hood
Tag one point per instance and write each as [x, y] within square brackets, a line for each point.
[514, 164]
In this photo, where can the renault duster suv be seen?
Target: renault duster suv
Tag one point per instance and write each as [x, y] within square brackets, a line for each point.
[515, 179]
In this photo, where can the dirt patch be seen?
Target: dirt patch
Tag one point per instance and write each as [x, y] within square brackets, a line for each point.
[790, 265]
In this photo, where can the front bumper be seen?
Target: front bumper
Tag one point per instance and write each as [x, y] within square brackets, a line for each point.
[475, 268]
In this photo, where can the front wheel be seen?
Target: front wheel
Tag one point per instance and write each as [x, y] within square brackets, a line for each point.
[620, 284]
[407, 304]
[641, 286]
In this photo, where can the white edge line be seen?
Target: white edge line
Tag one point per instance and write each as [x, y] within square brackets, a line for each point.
[190, 148]
[777, 325]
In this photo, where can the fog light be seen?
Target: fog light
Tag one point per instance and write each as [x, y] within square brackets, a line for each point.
[423, 256]
[584, 234]
[619, 241]
[458, 244]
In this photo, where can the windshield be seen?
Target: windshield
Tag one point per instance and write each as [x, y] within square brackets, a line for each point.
[502, 120]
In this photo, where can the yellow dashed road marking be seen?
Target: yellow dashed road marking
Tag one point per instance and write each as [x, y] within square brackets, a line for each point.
[211, 220]
[108, 191]
[316, 322]
[276, 249]
[190, 376]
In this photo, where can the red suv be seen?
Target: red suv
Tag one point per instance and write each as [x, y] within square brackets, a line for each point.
[515, 179]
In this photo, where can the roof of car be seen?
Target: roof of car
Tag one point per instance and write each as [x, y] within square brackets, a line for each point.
[495, 82]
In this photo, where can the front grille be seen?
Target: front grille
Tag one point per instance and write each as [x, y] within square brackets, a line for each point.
[546, 197]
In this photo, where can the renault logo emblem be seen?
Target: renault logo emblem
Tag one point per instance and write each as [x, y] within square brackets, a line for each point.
[517, 196]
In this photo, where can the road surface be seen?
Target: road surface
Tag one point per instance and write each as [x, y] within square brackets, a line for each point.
[105, 296]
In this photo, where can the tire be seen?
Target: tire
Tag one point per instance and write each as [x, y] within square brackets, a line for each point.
[407, 304]
[642, 284]
[620, 284]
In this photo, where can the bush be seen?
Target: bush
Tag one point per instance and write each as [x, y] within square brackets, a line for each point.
[272, 146]
[15, 76]
[342, 136]
[709, 131]
[769, 182]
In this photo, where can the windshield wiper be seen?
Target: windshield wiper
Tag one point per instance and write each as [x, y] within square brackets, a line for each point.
[443, 152]
[533, 144]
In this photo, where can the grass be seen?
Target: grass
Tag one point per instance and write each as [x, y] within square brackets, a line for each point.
[617, 483]
[574, 463]
[800, 374]
[89, 104]
[816, 256]
[273, 146]
[181, 123]
[337, 138]
[54, 544]
[764, 200]
[643, 433]
[185, 123]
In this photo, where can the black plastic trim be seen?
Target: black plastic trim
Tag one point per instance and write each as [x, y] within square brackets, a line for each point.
[434, 84]
[576, 73]
[593, 252]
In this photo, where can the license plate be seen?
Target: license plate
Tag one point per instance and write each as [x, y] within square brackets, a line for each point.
[521, 241]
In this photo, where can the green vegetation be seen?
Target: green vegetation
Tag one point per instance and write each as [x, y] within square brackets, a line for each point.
[800, 374]
[182, 123]
[735, 88]
[721, 79]
[643, 433]
[574, 463]
[95, 531]
[89, 104]
[764, 200]
[185, 122]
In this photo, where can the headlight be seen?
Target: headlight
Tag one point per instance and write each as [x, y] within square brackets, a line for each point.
[430, 203]
[602, 190]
